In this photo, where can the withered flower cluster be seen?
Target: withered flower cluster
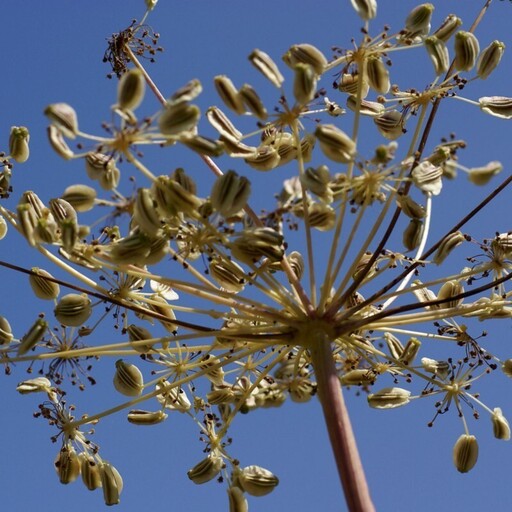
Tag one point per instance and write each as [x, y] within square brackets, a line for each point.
[220, 309]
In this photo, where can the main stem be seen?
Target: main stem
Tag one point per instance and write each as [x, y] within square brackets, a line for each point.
[341, 435]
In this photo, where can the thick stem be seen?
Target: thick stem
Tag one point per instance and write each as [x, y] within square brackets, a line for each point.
[346, 454]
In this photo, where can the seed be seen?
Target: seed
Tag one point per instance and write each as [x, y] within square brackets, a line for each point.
[438, 53]
[81, 197]
[377, 75]
[206, 470]
[230, 193]
[389, 398]
[64, 118]
[111, 482]
[90, 471]
[190, 91]
[128, 379]
[267, 67]
[306, 54]
[304, 84]
[73, 309]
[466, 50]
[497, 106]
[130, 91]
[140, 417]
[43, 288]
[179, 118]
[465, 453]
[448, 27]
[257, 481]
[335, 143]
[67, 465]
[447, 245]
[18, 144]
[367, 9]
[229, 94]
[32, 337]
[489, 59]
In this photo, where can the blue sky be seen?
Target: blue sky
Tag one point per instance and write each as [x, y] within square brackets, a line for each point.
[53, 52]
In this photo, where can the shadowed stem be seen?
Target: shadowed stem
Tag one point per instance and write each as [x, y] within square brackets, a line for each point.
[341, 435]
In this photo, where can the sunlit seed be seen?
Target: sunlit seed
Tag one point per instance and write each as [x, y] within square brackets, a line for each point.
[140, 417]
[358, 377]
[305, 54]
[377, 75]
[410, 207]
[32, 337]
[172, 397]
[412, 234]
[37, 385]
[229, 93]
[304, 84]
[230, 193]
[410, 351]
[81, 197]
[390, 124]
[136, 334]
[365, 107]
[500, 426]
[228, 274]
[447, 245]
[447, 291]
[43, 288]
[111, 483]
[179, 118]
[257, 481]
[237, 501]
[190, 91]
[466, 50]
[265, 159]
[267, 67]
[202, 145]
[449, 26]
[130, 91]
[367, 9]
[62, 211]
[128, 379]
[389, 398]
[253, 244]
[417, 23]
[497, 106]
[206, 470]
[395, 346]
[73, 309]
[18, 144]
[67, 465]
[438, 53]
[335, 143]
[489, 59]
[465, 453]
[482, 175]
[349, 83]
[5, 331]
[222, 124]
[63, 118]
[427, 177]
[252, 102]
[90, 471]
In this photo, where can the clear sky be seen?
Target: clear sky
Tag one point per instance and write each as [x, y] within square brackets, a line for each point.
[52, 52]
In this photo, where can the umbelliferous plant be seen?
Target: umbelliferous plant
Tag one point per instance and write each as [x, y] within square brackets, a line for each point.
[222, 302]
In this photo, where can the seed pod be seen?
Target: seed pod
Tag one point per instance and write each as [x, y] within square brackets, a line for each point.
[111, 482]
[438, 53]
[265, 159]
[73, 309]
[252, 244]
[130, 90]
[305, 54]
[465, 453]
[90, 471]
[497, 106]
[202, 145]
[18, 144]
[389, 398]
[223, 395]
[365, 107]
[5, 331]
[145, 213]
[367, 9]
[190, 91]
[230, 193]
[159, 305]
[222, 124]
[67, 465]
[335, 143]
[172, 397]
[410, 207]
[412, 234]
[447, 245]
[439, 368]
[229, 93]
[489, 59]
[215, 373]
[358, 377]
[321, 216]
[304, 84]
[349, 84]
[58, 143]
[37, 385]
[140, 417]
[63, 117]
[466, 50]
[62, 211]
[136, 334]
[98, 163]
[377, 75]
[257, 481]
[267, 67]
[449, 26]
[395, 346]
[427, 177]
[296, 262]
[228, 274]
[128, 379]
[482, 175]
[80, 197]
[206, 470]
[32, 337]
[417, 23]
[179, 118]
[252, 102]
[448, 290]
[411, 349]
[43, 288]
[316, 180]
[500, 425]
[237, 501]
[390, 124]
